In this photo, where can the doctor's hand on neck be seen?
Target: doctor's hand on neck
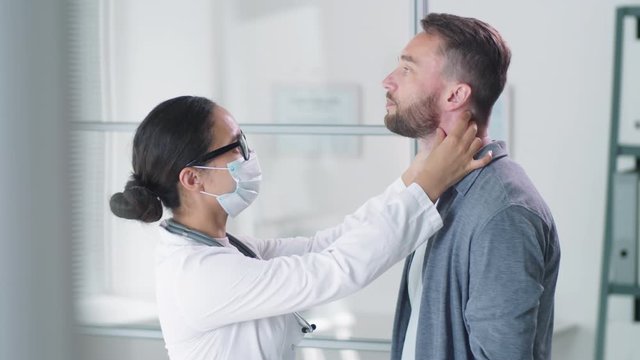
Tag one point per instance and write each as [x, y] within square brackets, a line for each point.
[446, 158]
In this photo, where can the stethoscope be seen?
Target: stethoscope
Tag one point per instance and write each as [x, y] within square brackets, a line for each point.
[178, 229]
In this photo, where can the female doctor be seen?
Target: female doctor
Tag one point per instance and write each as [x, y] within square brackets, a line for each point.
[221, 297]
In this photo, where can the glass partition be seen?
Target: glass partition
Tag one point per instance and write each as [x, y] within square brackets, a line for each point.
[302, 77]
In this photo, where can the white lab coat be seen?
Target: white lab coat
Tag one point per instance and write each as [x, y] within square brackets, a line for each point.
[215, 303]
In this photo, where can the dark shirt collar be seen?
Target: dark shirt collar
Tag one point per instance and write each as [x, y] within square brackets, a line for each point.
[499, 149]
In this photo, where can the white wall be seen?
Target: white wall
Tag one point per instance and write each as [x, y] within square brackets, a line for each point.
[561, 75]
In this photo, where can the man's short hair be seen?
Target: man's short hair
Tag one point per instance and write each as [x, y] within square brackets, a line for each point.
[475, 54]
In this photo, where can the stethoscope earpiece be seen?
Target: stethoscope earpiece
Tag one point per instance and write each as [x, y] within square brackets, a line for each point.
[306, 327]
[309, 329]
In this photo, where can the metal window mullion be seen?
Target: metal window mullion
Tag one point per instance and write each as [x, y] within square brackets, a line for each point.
[310, 342]
[335, 344]
[420, 10]
[277, 129]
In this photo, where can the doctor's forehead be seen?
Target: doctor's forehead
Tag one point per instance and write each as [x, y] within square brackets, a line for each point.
[225, 128]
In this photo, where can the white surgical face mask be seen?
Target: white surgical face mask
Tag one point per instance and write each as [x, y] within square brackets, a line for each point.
[247, 175]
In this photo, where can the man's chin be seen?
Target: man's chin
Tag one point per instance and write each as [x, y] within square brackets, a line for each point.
[391, 126]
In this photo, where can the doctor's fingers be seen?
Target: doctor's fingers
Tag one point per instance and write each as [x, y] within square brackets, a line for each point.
[474, 147]
[460, 125]
[470, 133]
[439, 138]
[482, 162]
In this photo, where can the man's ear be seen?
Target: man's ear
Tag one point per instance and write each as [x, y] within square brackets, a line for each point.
[459, 95]
[190, 179]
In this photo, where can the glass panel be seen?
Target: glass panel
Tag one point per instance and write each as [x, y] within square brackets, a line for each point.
[278, 62]
[329, 176]
[115, 256]
[266, 61]
[322, 354]
[630, 83]
[87, 212]
[320, 55]
[85, 62]
[310, 183]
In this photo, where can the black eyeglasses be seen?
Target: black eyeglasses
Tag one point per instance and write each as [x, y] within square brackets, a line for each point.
[241, 143]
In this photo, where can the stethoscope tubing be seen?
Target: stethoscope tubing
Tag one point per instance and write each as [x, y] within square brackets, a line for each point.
[178, 229]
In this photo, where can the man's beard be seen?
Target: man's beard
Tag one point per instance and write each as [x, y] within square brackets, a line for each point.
[419, 120]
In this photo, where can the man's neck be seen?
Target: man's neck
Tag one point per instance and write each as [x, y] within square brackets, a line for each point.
[483, 134]
[426, 143]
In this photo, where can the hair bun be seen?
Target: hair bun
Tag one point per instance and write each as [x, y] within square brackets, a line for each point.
[136, 203]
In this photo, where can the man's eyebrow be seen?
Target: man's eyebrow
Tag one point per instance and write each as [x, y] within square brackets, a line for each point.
[408, 58]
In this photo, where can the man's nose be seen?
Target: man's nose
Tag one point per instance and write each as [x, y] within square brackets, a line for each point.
[388, 83]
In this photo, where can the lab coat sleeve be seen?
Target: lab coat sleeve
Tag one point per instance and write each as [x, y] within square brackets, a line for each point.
[219, 288]
[299, 245]
[506, 272]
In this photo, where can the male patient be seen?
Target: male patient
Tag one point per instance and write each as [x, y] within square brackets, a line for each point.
[483, 286]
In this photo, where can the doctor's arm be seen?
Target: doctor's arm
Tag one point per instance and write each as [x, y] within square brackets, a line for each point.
[223, 288]
[270, 248]
[460, 141]
[506, 274]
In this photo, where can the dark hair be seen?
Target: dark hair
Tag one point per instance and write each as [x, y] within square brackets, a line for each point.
[476, 54]
[174, 133]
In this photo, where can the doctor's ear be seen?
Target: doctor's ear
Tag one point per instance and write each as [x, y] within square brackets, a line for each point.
[190, 179]
[459, 96]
